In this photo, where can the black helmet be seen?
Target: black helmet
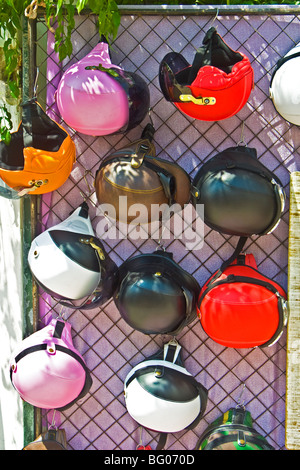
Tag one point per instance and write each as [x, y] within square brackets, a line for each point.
[240, 195]
[155, 295]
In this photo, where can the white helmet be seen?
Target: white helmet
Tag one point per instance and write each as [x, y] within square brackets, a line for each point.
[161, 395]
[285, 86]
[70, 263]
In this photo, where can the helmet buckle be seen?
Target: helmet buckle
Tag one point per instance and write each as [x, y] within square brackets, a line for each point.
[204, 101]
[90, 241]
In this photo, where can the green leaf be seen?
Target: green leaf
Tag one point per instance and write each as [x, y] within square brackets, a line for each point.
[81, 4]
[14, 88]
[5, 135]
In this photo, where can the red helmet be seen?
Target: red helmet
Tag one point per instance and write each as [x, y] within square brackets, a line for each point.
[216, 86]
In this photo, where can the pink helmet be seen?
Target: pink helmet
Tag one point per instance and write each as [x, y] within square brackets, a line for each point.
[95, 97]
[46, 369]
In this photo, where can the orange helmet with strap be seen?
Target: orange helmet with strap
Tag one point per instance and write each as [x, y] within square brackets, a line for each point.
[40, 155]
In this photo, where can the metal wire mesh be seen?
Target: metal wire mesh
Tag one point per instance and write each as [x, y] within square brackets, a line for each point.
[111, 347]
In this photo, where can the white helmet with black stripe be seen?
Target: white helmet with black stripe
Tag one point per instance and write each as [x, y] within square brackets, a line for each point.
[161, 395]
[70, 263]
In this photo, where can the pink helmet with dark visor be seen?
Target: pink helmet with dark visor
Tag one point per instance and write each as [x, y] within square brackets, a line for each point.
[95, 97]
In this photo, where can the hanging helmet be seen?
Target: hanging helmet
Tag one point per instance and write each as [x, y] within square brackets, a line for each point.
[284, 86]
[40, 155]
[46, 369]
[155, 295]
[135, 173]
[70, 263]
[53, 439]
[233, 431]
[240, 195]
[216, 86]
[161, 395]
[95, 97]
[239, 307]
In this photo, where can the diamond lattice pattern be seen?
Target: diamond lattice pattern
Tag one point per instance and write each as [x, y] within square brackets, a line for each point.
[110, 347]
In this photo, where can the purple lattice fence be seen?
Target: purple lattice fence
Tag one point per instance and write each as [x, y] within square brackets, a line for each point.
[110, 346]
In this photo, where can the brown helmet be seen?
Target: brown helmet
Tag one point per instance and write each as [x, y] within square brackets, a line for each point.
[53, 439]
[135, 172]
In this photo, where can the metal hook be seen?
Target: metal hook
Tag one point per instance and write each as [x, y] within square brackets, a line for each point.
[162, 227]
[60, 314]
[91, 191]
[160, 246]
[216, 16]
[141, 446]
[240, 404]
[242, 139]
[150, 117]
[35, 86]
[173, 341]
[53, 423]
[86, 181]
[141, 431]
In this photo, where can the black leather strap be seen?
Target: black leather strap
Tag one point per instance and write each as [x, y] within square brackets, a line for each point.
[27, 123]
[167, 180]
[209, 54]
[43, 347]
[162, 441]
[240, 245]
[203, 55]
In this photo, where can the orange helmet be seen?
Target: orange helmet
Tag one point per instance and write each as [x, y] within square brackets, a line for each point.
[40, 155]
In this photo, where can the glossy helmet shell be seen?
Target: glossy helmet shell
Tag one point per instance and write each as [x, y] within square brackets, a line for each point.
[61, 262]
[47, 370]
[233, 430]
[161, 395]
[239, 194]
[242, 308]
[285, 87]
[215, 87]
[151, 187]
[70, 263]
[95, 97]
[155, 295]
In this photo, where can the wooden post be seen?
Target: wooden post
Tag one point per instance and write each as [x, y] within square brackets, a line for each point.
[292, 426]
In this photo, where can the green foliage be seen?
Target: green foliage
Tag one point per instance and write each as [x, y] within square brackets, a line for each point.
[5, 125]
[10, 24]
[106, 12]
